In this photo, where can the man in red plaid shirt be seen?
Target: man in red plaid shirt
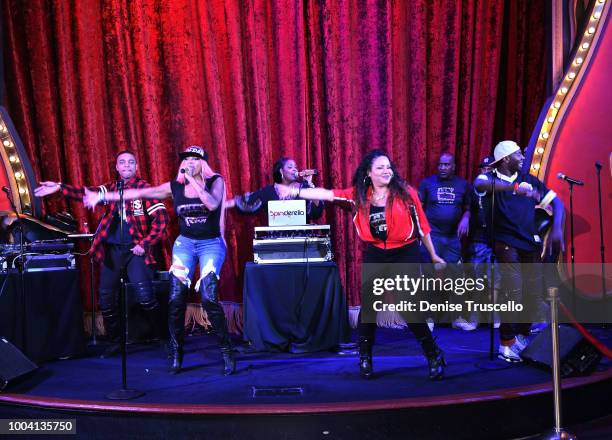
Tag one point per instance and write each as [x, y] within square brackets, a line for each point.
[144, 223]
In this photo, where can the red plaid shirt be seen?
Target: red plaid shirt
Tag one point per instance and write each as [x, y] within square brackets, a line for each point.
[147, 219]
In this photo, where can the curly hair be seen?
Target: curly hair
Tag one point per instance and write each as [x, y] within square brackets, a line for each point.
[398, 187]
[276, 169]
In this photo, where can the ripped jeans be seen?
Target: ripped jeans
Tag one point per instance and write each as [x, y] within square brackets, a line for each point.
[210, 254]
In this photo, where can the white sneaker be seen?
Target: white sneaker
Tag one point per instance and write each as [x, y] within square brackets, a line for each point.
[509, 353]
[462, 324]
[430, 324]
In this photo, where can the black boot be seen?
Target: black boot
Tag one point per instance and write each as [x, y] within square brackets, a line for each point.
[435, 357]
[177, 303]
[151, 310]
[110, 315]
[209, 289]
[365, 358]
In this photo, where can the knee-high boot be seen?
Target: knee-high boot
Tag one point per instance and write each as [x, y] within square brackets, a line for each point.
[209, 289]
[177, 303]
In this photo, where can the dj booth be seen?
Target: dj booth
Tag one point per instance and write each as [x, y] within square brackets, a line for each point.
[295, 307]
[293, 298]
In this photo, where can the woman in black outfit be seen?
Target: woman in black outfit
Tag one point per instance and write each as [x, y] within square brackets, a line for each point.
[285, 173]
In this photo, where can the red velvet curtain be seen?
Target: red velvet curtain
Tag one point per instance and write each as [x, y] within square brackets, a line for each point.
[252, 80]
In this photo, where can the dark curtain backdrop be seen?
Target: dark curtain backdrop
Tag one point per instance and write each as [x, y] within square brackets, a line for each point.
[252, 80]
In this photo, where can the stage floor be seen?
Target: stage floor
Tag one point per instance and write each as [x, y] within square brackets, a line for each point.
[308, 379]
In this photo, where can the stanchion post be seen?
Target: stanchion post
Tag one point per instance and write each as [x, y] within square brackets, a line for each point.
[558, 432]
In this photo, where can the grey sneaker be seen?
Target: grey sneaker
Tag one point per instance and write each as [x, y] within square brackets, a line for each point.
[509, 353]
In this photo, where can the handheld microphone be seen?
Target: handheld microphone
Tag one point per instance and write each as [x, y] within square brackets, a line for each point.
[306, 173]
[187, 170]
[570, 179]
[182, 170]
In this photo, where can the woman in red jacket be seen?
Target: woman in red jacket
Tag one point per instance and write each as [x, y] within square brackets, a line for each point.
[384, 202]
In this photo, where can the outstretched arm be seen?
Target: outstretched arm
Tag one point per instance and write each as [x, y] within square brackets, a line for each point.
[163, 191]
[47, 188]
[286, 191]
[71, 192]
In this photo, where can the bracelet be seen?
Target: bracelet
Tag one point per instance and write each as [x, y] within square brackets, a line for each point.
[515, 187]
[101, 197]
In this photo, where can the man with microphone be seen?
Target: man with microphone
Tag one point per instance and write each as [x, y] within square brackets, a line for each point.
[517, 243]
[144, 223]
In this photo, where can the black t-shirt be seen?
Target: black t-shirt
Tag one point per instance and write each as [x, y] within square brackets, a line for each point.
[514, 220]
[444, 202]
[378, 222]
[114, 232]
[195, 219]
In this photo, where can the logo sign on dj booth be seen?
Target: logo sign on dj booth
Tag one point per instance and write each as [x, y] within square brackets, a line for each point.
[286, 212]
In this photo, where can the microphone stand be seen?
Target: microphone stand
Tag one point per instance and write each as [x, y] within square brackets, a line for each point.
[572, 255]
[124, 393]
[20, 267]
[492, 363]
[604, 292]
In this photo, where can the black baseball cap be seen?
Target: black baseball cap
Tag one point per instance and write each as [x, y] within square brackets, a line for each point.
[194, 151]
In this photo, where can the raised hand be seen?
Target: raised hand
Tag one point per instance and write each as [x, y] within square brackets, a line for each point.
[46, 188]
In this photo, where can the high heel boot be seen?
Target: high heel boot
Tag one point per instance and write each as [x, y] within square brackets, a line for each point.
[435, 357]
[365, 358]
[209, 290]
[177, 303]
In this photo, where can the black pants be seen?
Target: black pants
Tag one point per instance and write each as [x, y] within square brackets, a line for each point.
[138, 272]
[521, 281]
[406, 254]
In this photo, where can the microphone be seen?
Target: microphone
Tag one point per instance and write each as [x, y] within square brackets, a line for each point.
[120, 184]
[598, 165]
[7, 190]
[570, 180]
[182, 170]
[187, 170]
[306, 173]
